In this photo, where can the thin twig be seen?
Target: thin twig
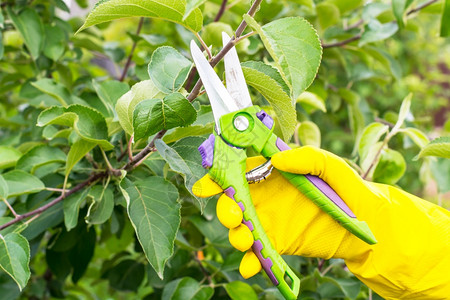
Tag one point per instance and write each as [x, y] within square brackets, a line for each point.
[422, 6]
[10, 207]
[377, 155]
[222, 9]
[54, 189]
[243, 37]
[111, 169]
[344, 42]
[129, 148]
[355, 25]
[55, 201]
[204, 271]
[130, 56]
[204, 46]
[327, 270]
[379, 120]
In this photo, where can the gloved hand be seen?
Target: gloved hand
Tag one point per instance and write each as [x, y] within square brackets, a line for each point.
[411, 259]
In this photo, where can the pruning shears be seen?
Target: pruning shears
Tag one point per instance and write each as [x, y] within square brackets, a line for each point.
[241, 125]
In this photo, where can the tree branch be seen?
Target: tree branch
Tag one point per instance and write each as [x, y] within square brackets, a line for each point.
[342, 43]
[55, 201]
[130, 56]
[378, 154]
[420, 7]
[221, 10]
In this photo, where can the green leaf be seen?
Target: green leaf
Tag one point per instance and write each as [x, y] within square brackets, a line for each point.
[29, 24]
[371, 134]
[438, 147]
[399, 9]
[83, 251]
[8, 157]
[328, 14]
[295, 48]
[15, 257]
[445, 20]
[182, 132]
[102, 205]
[186, 289]
[55, 42]
[154, 39]
[190, 6]
[20, 182]
[418, 137]
[3, 188]
[154, 211]
[78, 150]
[109, 92]
[238, 290]
[168, 69]
[127, 275]
[309, 134]
[40, 156]
[125, 105]
[71, 206]
[183, 157]
[108, 10]
[312, 100]
[440, 169]
[390, 168]
[386, 60]
[350, 286]
[215, 234]
[404, 111]
[87, 122]
[373, 10]
[8, 287]
[266, 80]
[56, 90]
[151, 116]
[375, 31]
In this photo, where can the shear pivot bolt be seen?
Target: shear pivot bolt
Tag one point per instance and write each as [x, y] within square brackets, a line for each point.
[241, 123]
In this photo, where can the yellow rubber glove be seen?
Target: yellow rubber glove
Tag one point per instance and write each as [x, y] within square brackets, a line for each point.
[411, 259]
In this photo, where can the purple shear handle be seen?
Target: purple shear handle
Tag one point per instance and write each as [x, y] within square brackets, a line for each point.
[257, 247]
[322, 185]
[206, 150]
[265, 118]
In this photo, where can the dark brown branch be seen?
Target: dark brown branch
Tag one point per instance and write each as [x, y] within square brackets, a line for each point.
[55, 201]
[130, 56]
[202, 268]
[342, 43]
[420, 7]
[358, 36]
[221, 10]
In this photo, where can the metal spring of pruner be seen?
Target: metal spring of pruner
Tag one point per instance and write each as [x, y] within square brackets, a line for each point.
[260, 173]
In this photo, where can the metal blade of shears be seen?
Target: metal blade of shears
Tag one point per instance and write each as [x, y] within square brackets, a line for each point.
[221, 101]
[236, 85]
